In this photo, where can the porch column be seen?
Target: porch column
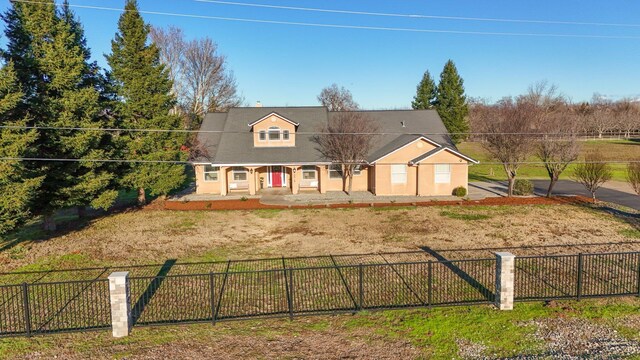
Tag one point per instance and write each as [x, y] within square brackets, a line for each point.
[223, 181]
[252, 180]
[323, 178]
[295, 184]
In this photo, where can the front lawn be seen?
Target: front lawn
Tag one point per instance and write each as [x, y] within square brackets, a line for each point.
[153, 236]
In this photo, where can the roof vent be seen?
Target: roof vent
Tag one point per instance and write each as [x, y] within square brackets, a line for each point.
[258, 104]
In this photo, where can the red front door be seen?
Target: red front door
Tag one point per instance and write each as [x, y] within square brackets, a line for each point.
[276, 176]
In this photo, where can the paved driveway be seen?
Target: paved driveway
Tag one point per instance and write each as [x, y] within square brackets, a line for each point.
[616, 192]
[613, 193]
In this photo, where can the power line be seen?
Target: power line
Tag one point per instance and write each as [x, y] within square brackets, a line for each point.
[64, 128]
[338, 26]
[416, 16]
[199, 162]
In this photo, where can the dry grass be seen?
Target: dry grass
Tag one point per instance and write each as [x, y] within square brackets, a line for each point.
[153, 236]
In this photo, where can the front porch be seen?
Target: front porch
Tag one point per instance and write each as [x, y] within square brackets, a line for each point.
[258, 180]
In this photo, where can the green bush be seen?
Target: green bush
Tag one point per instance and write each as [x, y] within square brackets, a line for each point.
[460, 191]
[522, 187]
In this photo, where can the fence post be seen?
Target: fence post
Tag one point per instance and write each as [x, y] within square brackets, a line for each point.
[430, 283]
[360, 287]
[121, 321]
[290, 292]
[638, 274]
[505, 278]
[26, 310]
[212, 294]
[579, 281]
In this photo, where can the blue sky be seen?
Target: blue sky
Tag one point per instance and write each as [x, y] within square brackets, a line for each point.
[288, 65]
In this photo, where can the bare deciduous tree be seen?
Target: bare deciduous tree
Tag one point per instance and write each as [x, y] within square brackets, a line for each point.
[337, 98]
[506, 125]
[202, 82]
[627, 115]
[346, 140]
[598, 115]
[633, 175]
[593, 173]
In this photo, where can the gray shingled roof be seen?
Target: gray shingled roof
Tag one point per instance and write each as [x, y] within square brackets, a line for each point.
[235, 145]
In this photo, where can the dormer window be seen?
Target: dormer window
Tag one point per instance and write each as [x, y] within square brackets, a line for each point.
[263, 135]
[274, 133]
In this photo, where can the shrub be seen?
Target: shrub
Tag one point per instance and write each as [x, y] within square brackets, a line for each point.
[460, 191]
[244, 198]
[522, 187]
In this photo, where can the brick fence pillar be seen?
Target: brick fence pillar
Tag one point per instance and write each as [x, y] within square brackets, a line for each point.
[120, 306]
[505, 278]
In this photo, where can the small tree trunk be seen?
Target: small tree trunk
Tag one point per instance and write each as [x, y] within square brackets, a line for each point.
[552, 183]
[82, 212]
[142, 197]
[350, 183]
[593, 195]
[49, 223]
[512, 181]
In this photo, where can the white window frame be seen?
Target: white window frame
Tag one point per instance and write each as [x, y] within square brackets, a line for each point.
[442, 173]
[216, 172]
[274, 130]
[398, 174]
[357, 170]
[310, 169]
[237, 171]
[261, 134]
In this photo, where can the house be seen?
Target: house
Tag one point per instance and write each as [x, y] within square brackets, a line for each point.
[249, 149]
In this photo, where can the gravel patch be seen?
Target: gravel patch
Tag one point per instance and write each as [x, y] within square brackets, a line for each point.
[580, 339]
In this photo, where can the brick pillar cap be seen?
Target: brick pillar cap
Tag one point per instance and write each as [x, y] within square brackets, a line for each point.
[504, 254]
[118, 274]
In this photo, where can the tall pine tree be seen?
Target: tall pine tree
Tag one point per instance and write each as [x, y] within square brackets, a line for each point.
[425, 93]
[143, 87]
[17, 186]
[60, 86]
[451, 102]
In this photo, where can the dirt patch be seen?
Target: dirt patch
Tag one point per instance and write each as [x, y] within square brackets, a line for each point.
[306, 346]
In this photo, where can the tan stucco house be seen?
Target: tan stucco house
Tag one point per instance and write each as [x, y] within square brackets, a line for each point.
[250, 149]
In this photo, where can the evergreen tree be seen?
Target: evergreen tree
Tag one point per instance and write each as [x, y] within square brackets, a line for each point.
[16, 185]
[425, 93]
[451, 102]
[61, 90]
[143, 86]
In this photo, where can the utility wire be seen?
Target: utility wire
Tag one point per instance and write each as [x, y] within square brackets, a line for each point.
[338, 26]
[65, 128]
[416, 16]
[199, 162]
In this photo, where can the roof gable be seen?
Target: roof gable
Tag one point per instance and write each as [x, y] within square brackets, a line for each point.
[276, 115]
[399, 145]
[439, 150]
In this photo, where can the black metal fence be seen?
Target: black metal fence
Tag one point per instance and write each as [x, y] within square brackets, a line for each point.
[276, 287]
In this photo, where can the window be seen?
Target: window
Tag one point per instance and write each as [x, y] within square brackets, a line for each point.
[263, 135]
[239, 173]
[399, 174]
[443, 173]
[274, 133]
[335, 171]
[211, 173]
[285, 135]
[357, 169]
[309, 172]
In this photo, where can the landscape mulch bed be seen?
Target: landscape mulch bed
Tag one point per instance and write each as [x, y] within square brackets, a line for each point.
[254, 204]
